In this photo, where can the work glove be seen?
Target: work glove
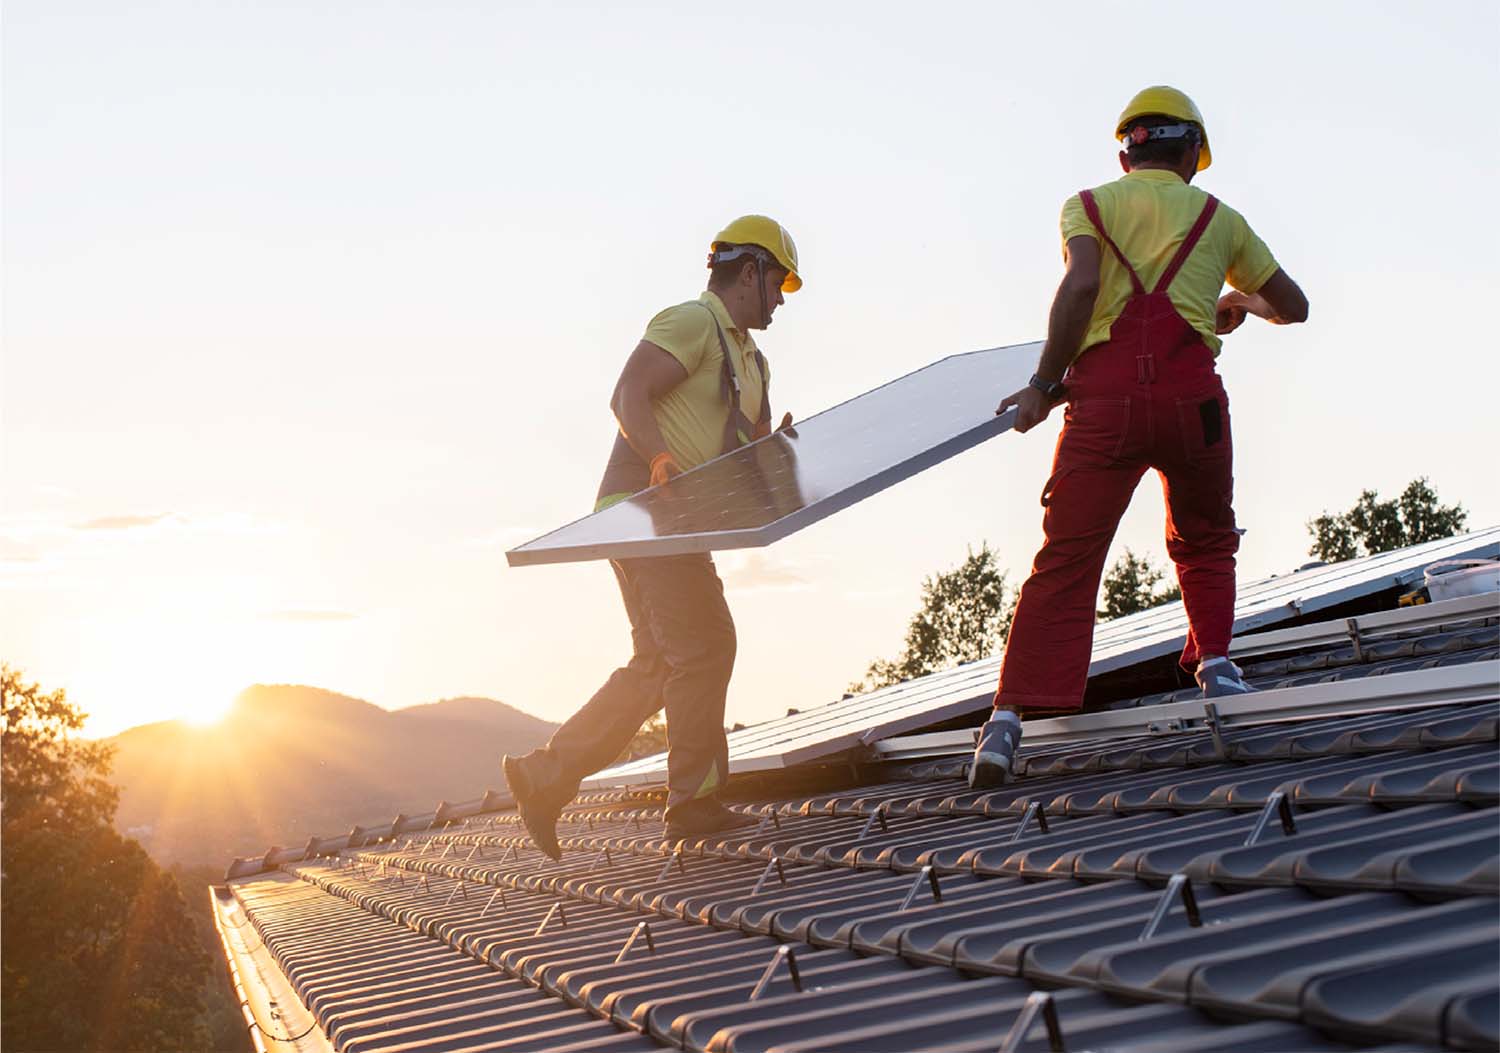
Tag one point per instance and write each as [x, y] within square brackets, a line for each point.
[762, 430]
[663, 467]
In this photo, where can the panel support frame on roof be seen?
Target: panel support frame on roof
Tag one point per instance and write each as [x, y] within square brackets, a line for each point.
[1415, 689]
[1331, 634]
[827, 732]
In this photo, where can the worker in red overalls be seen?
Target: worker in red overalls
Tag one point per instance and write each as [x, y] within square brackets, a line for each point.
[1130, 348]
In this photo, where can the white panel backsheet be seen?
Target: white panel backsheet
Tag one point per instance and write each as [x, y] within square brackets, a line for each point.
[830, 728]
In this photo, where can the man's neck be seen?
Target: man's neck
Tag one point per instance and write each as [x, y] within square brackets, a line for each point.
[1181, 171]
[741, 313]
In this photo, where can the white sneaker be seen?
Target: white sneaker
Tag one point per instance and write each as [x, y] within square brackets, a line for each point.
[995, 752]
[1219, 677]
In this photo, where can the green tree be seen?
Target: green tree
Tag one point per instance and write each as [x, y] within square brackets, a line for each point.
[100, 952]
[651, 739]
[965, 615]
[221, 1012]
[1132, 584]
[1373, 525]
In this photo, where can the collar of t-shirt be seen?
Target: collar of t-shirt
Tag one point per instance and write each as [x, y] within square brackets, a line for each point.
[1154, 175]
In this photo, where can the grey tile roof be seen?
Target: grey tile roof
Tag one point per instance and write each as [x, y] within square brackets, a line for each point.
[1344, 871]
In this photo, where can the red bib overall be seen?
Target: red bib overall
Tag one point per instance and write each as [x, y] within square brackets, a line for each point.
[1148, 397]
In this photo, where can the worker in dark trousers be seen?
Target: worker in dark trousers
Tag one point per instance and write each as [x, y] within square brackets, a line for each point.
[695, 387]
[1131, 342]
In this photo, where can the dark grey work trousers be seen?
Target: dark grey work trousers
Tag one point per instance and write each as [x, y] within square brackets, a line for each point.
[684, 644]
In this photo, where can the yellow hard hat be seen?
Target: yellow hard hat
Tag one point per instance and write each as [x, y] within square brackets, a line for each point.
[766, 233]
[1162, 101]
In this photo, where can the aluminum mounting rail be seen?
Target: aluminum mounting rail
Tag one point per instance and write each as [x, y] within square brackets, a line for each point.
[1418, 689]
[1369, 627]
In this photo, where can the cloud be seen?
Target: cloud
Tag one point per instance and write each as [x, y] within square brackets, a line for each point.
[759, 572]
[121, 522]
[310, 616]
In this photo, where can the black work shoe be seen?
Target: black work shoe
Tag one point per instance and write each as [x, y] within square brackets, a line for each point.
[538, 811]
[701, 823]
[995, 753]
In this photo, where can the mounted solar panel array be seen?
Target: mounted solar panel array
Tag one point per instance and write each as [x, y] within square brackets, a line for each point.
[832, 728]
[774, 487]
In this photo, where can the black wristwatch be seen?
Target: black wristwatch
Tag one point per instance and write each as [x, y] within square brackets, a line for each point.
[1053, 389]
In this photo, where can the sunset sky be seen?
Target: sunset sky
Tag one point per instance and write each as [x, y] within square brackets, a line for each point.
[313, 309]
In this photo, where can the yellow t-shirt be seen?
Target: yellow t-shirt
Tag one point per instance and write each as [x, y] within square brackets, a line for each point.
[693, 414]
[1148, 213]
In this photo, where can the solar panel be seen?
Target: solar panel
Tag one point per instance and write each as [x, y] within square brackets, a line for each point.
[824, 730]
[774, 487]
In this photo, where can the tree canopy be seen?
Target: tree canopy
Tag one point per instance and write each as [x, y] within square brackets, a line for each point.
[1134, 584]
[100, 952]
[1373, 525]
[965, 615]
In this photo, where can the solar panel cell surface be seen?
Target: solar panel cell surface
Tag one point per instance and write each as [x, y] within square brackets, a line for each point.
[762, 492]
[821, 731]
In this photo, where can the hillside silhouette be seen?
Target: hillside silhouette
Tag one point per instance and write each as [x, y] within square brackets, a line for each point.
[290, 762]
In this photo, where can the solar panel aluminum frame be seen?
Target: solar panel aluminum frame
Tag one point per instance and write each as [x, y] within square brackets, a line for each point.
[1462, 609]
[824, 731]
[540, 550]
[1415, 689]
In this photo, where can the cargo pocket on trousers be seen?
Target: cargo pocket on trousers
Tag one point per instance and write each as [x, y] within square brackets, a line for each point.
[1204, 424]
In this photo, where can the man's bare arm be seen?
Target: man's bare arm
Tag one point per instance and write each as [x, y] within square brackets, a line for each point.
[1067, 325]
[649, 373]
[1279, 301]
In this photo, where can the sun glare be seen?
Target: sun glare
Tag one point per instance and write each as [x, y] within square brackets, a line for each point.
[205, 712]
[169, 670]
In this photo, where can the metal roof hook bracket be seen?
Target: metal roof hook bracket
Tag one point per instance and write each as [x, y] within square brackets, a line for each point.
[929, 876]
[1034, 810]
[765, 875]
[559, 911]
[1178, 886]
[1215, 728]
[877, 816]
[499, 893]
[783, 953]
[1277, 803]
[675, 857]
[643, 927]
[1038, 1002]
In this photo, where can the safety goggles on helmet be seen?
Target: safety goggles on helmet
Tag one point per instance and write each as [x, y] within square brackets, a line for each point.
[728, 253]
[1139, 134]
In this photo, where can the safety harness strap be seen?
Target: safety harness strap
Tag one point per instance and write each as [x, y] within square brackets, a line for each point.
[739, 429]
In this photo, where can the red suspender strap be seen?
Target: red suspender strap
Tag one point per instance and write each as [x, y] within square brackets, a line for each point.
[1188, 244]
[1092, 209]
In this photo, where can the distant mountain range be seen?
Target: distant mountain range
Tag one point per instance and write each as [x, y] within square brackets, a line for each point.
[290, 762]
